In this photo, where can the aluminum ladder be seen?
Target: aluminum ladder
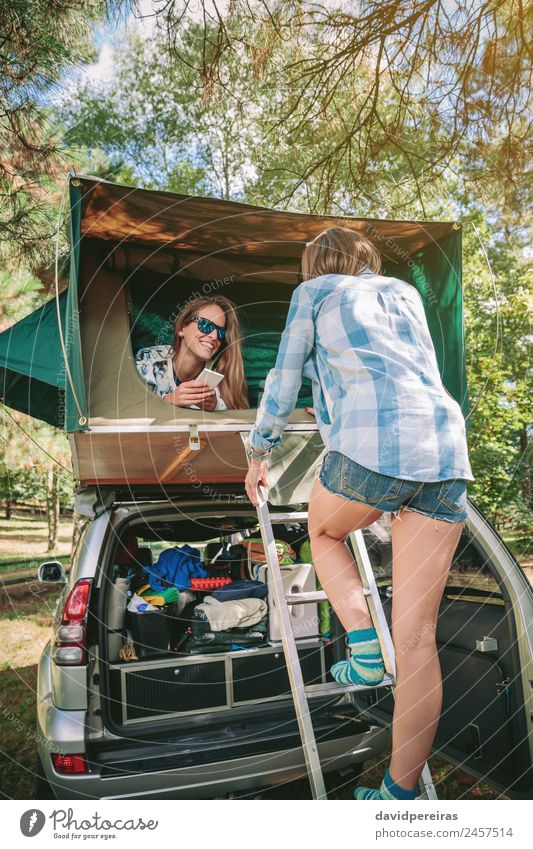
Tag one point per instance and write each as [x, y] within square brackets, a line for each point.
[301, 693]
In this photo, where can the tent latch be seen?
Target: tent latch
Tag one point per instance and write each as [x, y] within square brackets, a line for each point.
[194, 439]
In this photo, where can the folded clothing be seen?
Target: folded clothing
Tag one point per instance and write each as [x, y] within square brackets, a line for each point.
[158, 597]
[202, 636]
[175, 567]
[241, 589]
[237, 613]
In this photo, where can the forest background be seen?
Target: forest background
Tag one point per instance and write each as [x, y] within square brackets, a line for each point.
[418, 110]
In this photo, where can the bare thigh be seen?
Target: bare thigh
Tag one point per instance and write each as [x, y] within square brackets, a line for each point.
[422, 549]
[336, 516]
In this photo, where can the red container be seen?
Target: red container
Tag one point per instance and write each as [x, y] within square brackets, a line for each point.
[209, 583]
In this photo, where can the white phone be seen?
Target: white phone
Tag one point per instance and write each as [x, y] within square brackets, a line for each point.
[212, 378]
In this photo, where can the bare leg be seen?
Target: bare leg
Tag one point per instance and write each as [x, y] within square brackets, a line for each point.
[423, 550]
[331, 518]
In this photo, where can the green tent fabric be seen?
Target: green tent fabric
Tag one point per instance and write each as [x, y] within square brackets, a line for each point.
[75, 406]
[437, 276]
[31, 372]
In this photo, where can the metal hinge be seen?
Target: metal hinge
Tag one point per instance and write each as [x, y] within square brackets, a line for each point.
[194, 439]
[487, 644]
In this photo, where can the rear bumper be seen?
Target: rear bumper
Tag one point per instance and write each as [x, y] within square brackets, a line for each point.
[208, 781]
[136, 775]
[174, 771]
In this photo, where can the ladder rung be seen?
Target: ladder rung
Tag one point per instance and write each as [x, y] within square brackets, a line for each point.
[332, 688]
[277, 518]
[318, 595]
[305, 598]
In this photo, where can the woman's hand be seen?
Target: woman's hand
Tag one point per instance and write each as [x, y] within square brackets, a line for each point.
[257, 474]
[193, 392]
[310, 410]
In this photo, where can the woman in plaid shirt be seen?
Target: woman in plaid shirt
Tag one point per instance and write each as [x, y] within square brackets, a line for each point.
[395, 442]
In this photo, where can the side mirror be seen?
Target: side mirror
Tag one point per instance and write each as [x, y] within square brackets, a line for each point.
[52, 572]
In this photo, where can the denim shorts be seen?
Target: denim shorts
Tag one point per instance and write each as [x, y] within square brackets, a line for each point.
[444, 499]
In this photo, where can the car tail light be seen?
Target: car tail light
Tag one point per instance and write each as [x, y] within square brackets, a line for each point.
[68, 764]
[70, 647]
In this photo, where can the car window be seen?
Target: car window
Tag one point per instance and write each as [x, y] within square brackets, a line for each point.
[470, 568]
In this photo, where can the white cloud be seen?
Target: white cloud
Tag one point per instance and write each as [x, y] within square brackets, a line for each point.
[144, 21]
[102, 70]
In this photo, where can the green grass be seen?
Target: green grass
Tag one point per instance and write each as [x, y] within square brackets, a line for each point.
[32, 564]
[23, 544]
[25, 618]
[17, 730]
[519, 542]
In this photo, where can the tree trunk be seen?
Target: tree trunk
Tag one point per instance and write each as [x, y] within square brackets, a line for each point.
[76, 530]
[8, 509]
[526, 477]
[52, 509]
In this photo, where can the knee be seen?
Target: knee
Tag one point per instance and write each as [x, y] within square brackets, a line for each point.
[319, 532]
[315, 535]
[414, 641]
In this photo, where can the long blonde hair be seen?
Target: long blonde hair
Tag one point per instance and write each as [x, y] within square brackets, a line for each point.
[233, 388]
[339, 250]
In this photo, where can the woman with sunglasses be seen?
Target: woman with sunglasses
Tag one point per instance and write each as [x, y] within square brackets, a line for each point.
[206, 328]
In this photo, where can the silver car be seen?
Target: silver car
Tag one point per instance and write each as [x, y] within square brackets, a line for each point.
[170, 724]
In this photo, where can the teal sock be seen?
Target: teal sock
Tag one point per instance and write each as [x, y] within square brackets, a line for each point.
[387, 790]
[366, 663]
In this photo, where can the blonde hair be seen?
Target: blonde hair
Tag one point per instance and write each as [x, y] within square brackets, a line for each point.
[233, 388]
[339, 250]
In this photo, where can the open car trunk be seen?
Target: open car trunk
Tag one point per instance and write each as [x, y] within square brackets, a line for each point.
[194, 704]
[176, 708]
[136, 256]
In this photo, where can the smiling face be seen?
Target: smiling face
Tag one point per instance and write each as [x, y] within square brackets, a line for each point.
[203, 345]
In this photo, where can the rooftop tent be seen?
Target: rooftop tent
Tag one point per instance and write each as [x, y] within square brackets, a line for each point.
[31, 364]
[138, 254]
[34, 371]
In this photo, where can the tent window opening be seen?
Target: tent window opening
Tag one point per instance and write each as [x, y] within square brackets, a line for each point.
[155, 301]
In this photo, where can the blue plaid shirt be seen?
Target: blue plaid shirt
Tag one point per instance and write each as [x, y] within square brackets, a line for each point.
[378, 396]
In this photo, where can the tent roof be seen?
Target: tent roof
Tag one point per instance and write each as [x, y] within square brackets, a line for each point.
[210, 225]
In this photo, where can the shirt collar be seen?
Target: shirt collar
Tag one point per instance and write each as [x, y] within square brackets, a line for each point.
[366, 272]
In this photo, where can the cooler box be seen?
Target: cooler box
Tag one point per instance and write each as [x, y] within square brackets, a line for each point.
[150, 633]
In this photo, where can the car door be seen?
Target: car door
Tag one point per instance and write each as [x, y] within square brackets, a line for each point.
[484, 641]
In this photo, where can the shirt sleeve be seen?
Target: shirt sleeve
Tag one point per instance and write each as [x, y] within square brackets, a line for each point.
[284, 380]
[220, 405]
[145, 366]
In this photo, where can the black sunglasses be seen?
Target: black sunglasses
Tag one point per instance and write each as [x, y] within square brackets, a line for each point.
[205, 325]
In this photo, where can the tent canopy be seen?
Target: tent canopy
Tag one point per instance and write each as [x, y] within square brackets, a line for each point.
[31, 362]
[136, 255]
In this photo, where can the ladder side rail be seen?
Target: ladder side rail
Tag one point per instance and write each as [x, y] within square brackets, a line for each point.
[294, 670]
[377, 613]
